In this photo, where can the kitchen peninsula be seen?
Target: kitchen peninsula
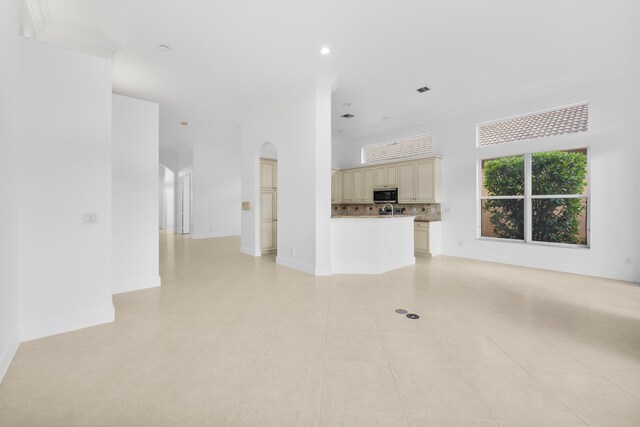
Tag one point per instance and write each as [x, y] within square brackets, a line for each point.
[371, 244]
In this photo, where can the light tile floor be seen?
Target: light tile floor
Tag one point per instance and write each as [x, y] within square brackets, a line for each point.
[230, 340]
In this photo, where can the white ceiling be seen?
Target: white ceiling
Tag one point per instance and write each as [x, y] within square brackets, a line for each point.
[228, 56]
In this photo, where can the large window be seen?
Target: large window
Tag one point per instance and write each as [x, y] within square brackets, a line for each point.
[539, 197]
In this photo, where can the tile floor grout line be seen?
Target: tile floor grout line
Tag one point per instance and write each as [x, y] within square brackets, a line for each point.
[544, 388]
[393, 376]
[324, 356]
[473, 388]
[253, 375]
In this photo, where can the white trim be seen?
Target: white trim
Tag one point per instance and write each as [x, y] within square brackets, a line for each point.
[66, 324]
[209, 235]
[250, 251]
[135, 285]
[8, 354]
[373, 268]
[296, 265]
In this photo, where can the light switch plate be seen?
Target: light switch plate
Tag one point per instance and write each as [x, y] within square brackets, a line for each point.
[246, 206]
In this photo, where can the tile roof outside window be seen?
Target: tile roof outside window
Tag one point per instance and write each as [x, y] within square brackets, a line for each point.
[406, 147]
[531, 126]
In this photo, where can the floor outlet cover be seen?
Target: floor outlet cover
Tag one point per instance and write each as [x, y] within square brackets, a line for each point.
[401, 311]
[413, 316]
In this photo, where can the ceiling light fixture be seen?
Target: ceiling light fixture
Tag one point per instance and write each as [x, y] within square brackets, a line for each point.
[347, 116]
[325, 50]
[346, 104]
[184, 123]
[423, 89]
[386, 118]
[164, 48]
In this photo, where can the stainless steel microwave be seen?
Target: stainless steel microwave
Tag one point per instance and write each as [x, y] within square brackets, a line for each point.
[385, 195]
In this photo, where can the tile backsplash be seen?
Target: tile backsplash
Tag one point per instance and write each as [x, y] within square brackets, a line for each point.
[423, 212]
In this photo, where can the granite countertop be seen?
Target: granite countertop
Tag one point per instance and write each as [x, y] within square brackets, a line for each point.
[416, 217]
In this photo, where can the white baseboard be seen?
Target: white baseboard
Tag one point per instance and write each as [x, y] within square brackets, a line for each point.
[212, 235]
[135, 285]
[373, 268]
[66, 324]
[296, 265]
[7, 355]
[250, 251]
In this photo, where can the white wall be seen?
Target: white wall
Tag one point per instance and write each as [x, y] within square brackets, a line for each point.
[216, 189]
[614, 152]
[9, 335]
[134, 192]
[298, 125]
[63, 139]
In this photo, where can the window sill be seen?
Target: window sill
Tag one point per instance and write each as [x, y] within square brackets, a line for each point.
[522, 242]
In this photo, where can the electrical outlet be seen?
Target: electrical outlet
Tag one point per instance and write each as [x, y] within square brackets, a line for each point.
[627, 260]
[90, 218]
[460, 243]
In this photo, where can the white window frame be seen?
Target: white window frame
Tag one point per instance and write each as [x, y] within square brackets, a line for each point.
[528, 197]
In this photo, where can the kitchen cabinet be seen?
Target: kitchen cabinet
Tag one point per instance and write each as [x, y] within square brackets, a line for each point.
[406, 183]
[385, 176]
[427, 238]
[358, 190]
[427, 183]
[268, 174]
[268, 205]
[347, 186]
[336, 186]
[368, 181]
[421, 238]
[417, 181]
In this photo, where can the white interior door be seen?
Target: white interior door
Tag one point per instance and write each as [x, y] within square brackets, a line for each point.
[186, 204]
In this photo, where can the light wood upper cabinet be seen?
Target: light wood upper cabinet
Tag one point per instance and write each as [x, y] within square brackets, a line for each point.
[418, 181]
[268, 174]
[347, 186]
[368, 181]
[385, 176]
[336, 186]
[406, 183]
[391, 175]
[358, 193]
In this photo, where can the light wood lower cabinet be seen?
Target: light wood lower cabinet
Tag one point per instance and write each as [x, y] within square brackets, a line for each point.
[421, 238]
[427, 238]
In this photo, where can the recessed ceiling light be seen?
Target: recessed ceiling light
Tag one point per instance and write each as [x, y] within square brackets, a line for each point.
[325, 50]
[386, 118]
[347, 116]
[346, 104]
[422, 89]
[164, 48]
[184, 123]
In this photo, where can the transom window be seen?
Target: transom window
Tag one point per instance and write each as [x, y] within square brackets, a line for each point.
[406, 147]
[538, 197]
[558, 121]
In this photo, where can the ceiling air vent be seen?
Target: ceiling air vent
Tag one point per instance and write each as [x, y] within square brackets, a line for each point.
[347, 116]
[422, 89]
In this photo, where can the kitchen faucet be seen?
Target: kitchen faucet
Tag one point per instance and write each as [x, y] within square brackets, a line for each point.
[385, 206]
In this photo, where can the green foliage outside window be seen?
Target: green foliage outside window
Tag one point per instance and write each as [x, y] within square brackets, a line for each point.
[553, 220]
